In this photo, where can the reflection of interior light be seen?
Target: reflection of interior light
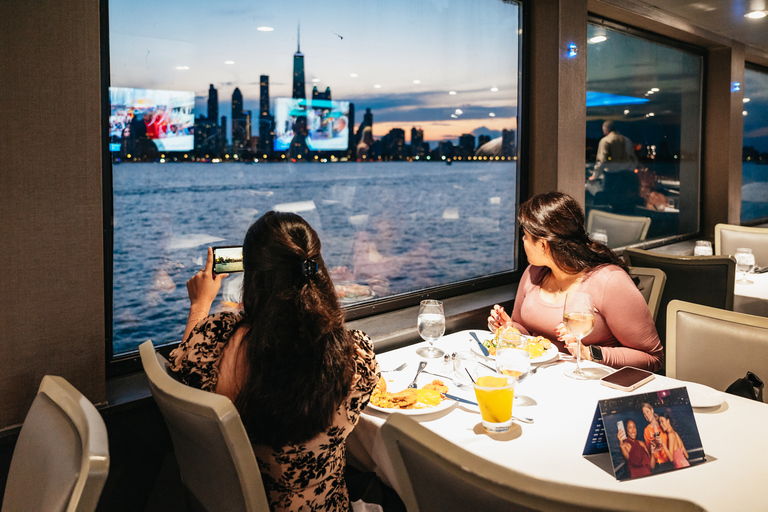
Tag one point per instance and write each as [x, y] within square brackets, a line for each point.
[452, 93]
[655, 89]
[491, 114]
[454, 116]
[651, 114]
[229, 62]
[597, 39]
[377, 86]
[573, 50]
[756, 15]
[597, 99]
[315, 80]
[626, 112]
[736, 87]
[494, 89]
[459, 111]
[353, 75]
[746, 100]
[649, 92]
[265, 29]
[744, 112]
[417, 81]
[182, 67]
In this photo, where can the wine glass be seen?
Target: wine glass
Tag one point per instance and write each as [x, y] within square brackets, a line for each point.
[431, 327]
[599, 235]
[702, 248]
[579, 319]
[745, 262]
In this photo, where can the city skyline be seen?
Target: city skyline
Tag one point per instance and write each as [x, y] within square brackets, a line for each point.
[422, 76]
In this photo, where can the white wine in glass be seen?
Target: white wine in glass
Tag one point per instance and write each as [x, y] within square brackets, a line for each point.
[431, 326]
[579, 319]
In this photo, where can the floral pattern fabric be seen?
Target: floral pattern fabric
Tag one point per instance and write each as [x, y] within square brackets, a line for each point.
[303, 477]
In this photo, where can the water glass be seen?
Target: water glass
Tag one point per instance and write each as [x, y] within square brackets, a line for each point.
[745, 262]
[513, 362]
[431, 326]
[599, 235]
[702, 248]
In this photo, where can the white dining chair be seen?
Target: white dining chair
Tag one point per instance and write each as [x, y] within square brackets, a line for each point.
[434, 474]
[713, 346]
[622, 230]
[729, 237]
[61, 458]
[216, 460]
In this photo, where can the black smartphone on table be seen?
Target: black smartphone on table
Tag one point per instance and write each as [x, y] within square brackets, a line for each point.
[227, 259]
[627, 379]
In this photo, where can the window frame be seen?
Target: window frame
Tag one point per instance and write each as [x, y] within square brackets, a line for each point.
[130, 362]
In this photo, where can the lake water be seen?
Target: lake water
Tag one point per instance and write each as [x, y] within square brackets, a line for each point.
[441, 223]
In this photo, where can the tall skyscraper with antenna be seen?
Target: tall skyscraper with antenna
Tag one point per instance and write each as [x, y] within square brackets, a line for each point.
[299, 90]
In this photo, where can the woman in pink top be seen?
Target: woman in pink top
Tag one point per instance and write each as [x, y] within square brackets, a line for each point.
[674, 448]
[563, 259]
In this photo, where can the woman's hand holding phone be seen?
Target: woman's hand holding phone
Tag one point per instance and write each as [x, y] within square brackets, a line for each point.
[204, 286]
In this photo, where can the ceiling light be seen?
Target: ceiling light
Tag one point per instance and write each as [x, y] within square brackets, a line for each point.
[597, 39]
[756, 15]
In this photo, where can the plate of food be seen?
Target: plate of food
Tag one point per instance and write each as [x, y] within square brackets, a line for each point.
[539, 348]
[349, 292]
[426, 399]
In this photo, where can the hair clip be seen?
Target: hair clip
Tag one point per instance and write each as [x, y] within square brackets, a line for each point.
[309, 267]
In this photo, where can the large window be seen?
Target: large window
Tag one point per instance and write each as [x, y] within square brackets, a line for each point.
[754, 178]
[643, 137]
[392, 127]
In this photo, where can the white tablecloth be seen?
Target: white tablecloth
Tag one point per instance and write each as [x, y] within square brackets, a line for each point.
[752, 298]
[733, 478]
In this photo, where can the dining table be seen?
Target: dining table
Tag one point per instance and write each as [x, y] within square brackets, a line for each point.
[751, 298]
[562, 410]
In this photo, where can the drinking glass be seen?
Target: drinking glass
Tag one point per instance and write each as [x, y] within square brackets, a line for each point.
[702, 248]
[599, 235]
[745, 262]
[513, 362]
[495, 395]
[579, 319]
[431, 327]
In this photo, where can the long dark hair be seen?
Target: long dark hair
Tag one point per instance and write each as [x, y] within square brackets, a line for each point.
[558, 219]
[299, 357]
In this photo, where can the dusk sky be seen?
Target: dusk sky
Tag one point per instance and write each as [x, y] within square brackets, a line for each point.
[416, 63]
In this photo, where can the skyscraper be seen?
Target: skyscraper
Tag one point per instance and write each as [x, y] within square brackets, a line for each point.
[266, 123]
[264, 99]
[237, 103]
[241, 125]
[299, 90]
[213, 104]
[367, 121]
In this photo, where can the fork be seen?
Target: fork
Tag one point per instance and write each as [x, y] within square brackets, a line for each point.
[422, 365]
[397, 369]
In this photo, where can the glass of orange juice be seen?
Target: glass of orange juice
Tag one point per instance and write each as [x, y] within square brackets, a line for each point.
[495, 395]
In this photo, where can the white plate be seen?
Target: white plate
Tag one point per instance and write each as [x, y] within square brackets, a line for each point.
[398, 383]
[703, 396]
[550, 355]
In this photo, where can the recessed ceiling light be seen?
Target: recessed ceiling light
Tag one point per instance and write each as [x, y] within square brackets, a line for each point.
[597, 39]
[756, 15]
[265, 29]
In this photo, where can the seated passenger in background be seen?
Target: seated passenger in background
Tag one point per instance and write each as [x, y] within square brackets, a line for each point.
[563, 259]
[298, 378]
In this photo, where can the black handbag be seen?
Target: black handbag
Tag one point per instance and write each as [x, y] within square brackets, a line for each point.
[749, 386]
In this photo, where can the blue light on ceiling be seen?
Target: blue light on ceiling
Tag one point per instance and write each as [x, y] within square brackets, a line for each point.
[604, 99]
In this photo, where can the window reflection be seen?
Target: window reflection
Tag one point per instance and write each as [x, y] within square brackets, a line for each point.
[390, 127]
[643, 126]
[754, 184]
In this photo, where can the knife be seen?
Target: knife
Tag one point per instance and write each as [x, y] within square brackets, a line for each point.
[480, 344]
[459, 399]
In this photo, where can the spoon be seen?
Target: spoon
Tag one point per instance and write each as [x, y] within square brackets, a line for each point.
[524, 420]
[422, 365]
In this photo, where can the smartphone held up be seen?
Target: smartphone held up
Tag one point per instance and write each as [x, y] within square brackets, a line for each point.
[227, 259]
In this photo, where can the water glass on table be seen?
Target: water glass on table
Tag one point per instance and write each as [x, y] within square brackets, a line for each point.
[599, 235]
[431, 326]
[745, 262]
[702, 248]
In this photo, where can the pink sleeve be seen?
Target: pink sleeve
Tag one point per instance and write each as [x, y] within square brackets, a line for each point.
[629, 319]
[522, 289]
